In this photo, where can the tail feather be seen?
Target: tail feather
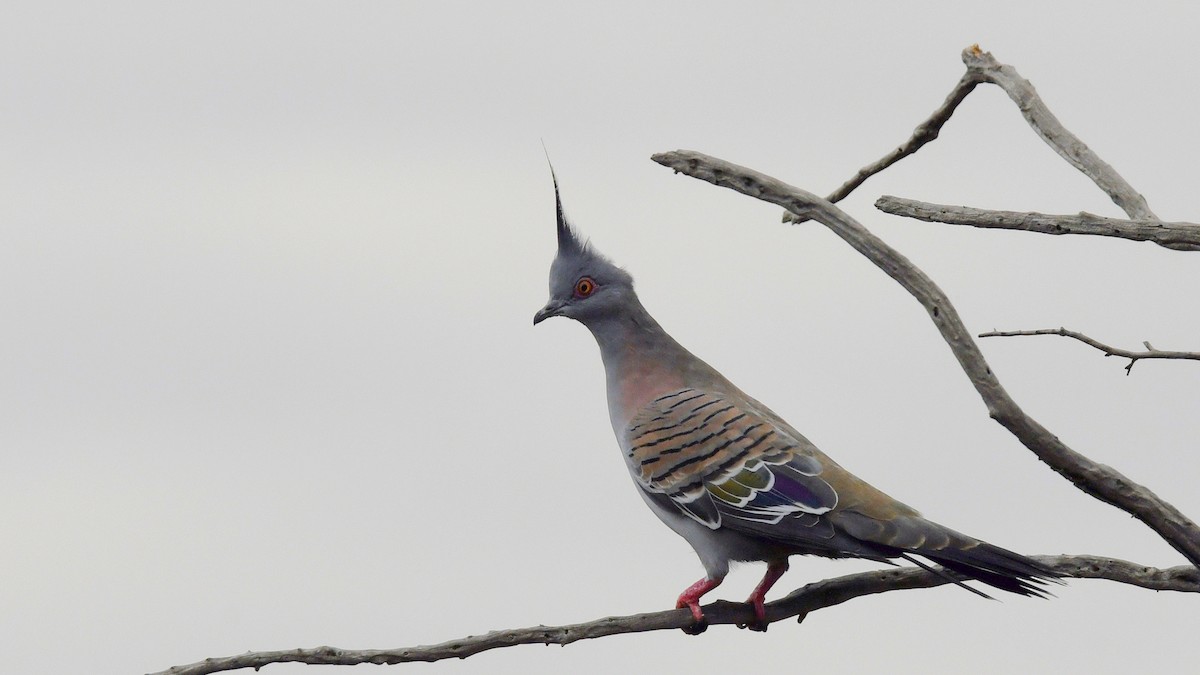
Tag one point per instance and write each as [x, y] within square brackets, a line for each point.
[996, 567]
[906, 536]
[945, 575]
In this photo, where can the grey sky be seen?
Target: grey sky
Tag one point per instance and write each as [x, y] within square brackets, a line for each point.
[268, 378]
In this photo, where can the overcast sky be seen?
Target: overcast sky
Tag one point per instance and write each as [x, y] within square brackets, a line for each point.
[268, 270]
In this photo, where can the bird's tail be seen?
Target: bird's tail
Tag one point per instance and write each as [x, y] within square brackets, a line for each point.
[994, 566]
[909, 536]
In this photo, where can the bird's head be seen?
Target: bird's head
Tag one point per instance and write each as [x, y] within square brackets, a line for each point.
[584, 285]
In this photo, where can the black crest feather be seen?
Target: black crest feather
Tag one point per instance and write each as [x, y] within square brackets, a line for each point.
[568, 240]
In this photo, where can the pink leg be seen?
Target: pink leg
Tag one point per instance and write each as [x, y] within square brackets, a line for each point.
[774, 571]
[690, 598]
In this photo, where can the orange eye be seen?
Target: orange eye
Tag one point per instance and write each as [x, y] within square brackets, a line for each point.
[584, 287]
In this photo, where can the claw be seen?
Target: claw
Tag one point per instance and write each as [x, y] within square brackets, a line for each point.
[690, 598]
[759, 624]
[756, 599]
[693, 605]
[700, 624]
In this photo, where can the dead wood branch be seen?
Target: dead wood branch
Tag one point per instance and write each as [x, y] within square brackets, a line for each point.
[983, 67]
[801, 602]
[1175, 236]
[1134, 357]
[1047, 126]
[925, 132]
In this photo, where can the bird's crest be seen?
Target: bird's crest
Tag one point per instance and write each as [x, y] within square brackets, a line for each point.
[576, 256]
[569, 242]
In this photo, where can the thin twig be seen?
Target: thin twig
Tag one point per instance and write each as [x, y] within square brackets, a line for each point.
[1065, 143]
[1175, 236]
[925, 132]
[1134, 357]
[799, 603]
[1098, 480]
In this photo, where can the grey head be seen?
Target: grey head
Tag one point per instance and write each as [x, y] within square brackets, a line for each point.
[585, 285]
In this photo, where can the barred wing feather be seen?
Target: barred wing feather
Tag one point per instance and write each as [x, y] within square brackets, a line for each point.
[720, 463]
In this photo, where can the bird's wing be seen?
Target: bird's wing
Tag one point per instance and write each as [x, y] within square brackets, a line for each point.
[726, 465]
[732, 464]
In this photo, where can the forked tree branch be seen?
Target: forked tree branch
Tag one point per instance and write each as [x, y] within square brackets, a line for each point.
[1047, 126]
[1175, 236]
[1098, 480]
[925, 132]
[1134, 357]
[983, 67]
[801, 602]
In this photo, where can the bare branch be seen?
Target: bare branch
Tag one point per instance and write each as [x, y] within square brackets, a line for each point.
[984, 66]
[814, 596]
[1175, 236]
[925, 132]
[1100, 481]
[1134, 357]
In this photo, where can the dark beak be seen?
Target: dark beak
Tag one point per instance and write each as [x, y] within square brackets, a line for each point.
[552, 308]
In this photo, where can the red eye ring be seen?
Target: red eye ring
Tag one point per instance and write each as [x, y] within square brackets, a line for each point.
[584, 287]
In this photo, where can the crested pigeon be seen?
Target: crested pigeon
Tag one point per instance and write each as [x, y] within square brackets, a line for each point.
[728, 474]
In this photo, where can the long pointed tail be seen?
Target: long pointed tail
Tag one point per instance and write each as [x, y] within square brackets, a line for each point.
[994, 566]
[910, 535]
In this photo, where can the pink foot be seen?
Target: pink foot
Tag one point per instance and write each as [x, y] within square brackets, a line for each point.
[756, 599]
[690, 598]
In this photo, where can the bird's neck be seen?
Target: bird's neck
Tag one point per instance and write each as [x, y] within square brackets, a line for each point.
[641, 362]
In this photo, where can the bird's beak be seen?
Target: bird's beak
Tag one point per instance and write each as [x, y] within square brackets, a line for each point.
[552, 308]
